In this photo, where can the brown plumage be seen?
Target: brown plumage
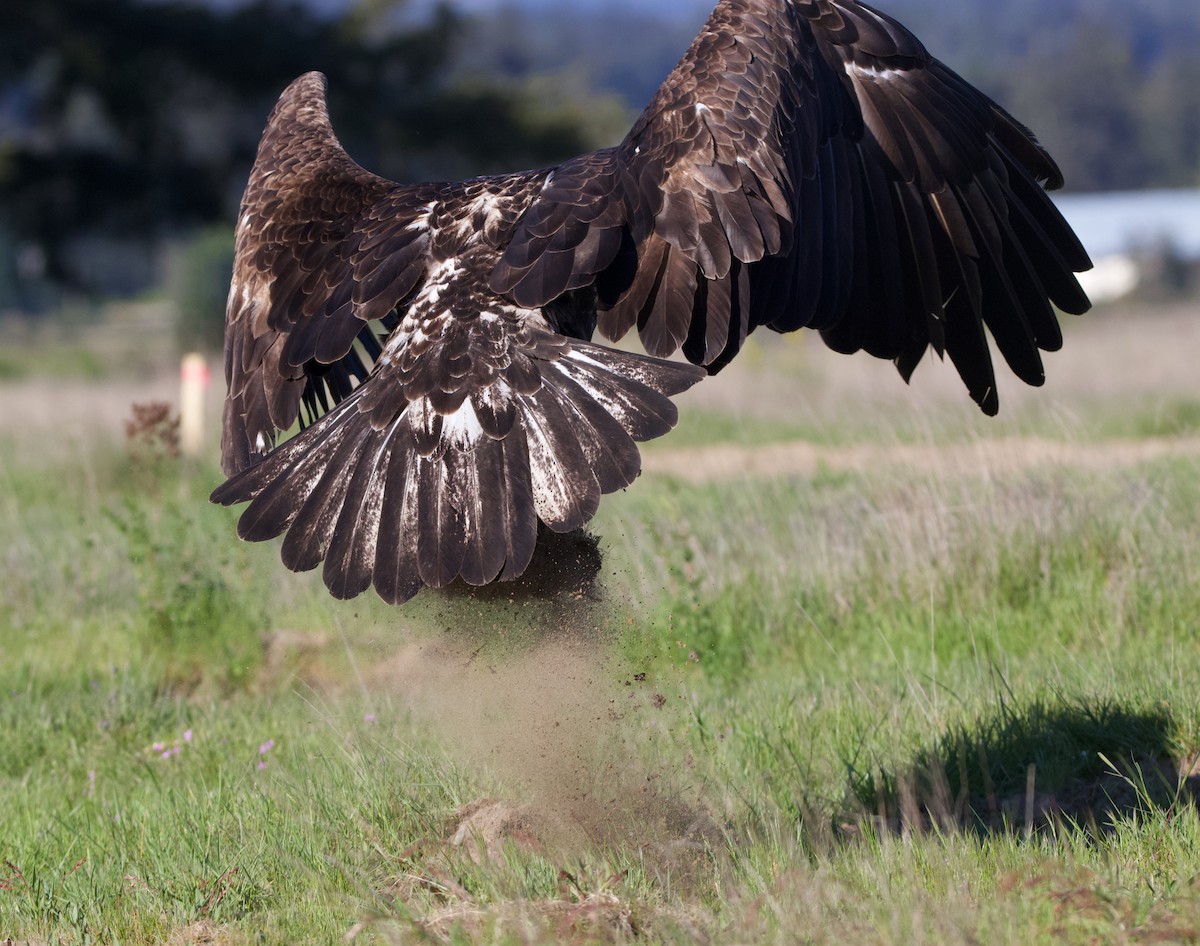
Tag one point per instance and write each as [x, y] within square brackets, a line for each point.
[807, 164]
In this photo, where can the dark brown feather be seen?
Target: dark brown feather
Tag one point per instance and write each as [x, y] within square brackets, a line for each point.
[395, 575]
[824, 131]
[807, 164]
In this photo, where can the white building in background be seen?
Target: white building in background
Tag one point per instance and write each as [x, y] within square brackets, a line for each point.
[1121, 230]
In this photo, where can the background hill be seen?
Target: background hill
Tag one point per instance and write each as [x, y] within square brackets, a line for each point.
[128, 125]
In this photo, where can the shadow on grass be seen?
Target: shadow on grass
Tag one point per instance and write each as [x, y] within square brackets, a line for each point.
[1033, 767]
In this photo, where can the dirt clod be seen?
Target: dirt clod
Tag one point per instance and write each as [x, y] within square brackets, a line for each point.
[485, 827]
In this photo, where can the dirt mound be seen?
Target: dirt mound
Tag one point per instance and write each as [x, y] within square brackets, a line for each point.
[485, 827]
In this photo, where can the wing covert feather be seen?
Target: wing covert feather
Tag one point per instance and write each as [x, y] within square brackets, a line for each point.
[816, 151]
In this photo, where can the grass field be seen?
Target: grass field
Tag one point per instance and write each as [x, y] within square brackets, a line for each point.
[861, 666]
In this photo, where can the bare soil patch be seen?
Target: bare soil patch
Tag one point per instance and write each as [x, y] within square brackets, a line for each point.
[204, 933]
[724, 462]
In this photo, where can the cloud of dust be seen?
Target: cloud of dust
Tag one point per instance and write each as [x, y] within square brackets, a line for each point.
[561, 720]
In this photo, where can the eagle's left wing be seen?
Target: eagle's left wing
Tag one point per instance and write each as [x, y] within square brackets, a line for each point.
[324, 249]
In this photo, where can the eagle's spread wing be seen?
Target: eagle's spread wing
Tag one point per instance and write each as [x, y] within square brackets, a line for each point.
[808, 163]
[432, 450]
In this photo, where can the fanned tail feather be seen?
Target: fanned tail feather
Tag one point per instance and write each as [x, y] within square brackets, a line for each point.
[379, 507]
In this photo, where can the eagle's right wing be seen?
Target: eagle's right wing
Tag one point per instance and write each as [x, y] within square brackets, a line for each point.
[809, 164]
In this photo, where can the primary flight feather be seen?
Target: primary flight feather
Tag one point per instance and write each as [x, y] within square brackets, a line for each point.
[806, 165]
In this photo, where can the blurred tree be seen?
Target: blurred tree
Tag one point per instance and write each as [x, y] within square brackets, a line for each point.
[1171, 104]
[136, 120]
[1088, 116]
[199, 283]
[625, 49]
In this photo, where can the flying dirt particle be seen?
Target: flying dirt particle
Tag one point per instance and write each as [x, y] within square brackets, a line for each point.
[525, 695]
[568, 757]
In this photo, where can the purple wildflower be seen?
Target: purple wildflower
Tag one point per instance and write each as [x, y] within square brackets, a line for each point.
[266, 747]
[369, 718]
[187, 735]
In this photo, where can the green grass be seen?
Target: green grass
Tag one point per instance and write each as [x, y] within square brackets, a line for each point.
[699, 428]
[817, 709]
[1155, 417]
[88, 343]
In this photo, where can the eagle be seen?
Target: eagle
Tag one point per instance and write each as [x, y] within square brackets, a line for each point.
[807, 164]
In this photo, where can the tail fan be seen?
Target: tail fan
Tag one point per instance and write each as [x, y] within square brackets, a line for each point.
[386, 507]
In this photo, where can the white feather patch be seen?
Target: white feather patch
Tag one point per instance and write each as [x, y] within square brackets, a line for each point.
[614, 406]
[462, 428]
[438, 279]
[488, 209]
[867, 72]
[255, 298]
[552, 496]
[413, 330]
[422, 220]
